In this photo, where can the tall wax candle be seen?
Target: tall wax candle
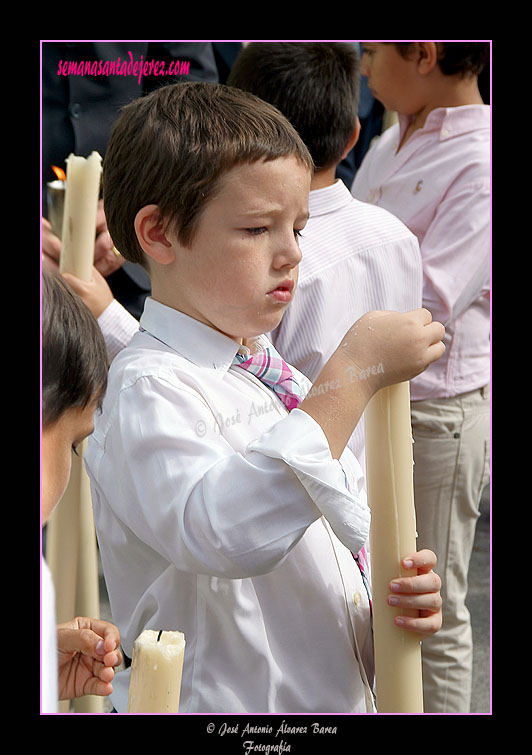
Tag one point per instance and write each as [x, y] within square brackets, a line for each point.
[72, 549]
[390, 483]
[83, 178]
[156, 669]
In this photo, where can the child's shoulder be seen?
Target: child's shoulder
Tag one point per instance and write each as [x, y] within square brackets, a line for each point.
[146, 357]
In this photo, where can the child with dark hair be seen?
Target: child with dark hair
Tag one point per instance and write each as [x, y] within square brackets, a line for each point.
[218, 482]
[78, 656]
[432, 170]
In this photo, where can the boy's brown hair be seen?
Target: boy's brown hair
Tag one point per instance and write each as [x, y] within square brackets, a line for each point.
[315, 84]
[456, 58]
[171, 147]
[74, 355]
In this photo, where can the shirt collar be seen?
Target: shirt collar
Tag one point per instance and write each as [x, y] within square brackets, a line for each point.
[192, 339]
[451, 121]
[329, 199]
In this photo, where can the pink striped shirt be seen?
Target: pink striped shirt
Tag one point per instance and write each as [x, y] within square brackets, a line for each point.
[438, 184]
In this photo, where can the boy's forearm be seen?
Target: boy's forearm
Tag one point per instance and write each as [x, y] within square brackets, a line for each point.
[382, 348]
[336, 401]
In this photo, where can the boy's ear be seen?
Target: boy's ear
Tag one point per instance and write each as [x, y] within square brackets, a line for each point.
[427, 56]
[353, 140]
[152, 236]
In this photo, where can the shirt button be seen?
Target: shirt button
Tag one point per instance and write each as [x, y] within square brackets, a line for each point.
[444, 132]
[356, 598]
[75, 110]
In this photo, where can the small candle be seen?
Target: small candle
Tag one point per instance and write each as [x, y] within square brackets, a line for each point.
[390, 476]
[83, 178]
[55, 194]
[156, 669]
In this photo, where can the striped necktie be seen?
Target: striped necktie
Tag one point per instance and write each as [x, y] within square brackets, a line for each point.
[271, 369]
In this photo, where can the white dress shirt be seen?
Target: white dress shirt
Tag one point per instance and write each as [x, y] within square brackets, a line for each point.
[216, 512]
[355, 258]
[438, 184]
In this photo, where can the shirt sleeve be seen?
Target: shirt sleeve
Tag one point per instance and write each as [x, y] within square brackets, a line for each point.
[186, 493]
[118, 328]
[456, 251]
[337, 488]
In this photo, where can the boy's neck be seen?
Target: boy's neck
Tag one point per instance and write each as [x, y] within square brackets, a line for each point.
[323, 178]
[450, 93]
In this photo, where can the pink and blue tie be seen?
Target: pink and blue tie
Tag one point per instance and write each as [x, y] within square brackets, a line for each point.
[271, 369]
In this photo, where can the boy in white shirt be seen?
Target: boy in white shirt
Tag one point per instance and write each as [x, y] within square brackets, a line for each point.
[219, 512]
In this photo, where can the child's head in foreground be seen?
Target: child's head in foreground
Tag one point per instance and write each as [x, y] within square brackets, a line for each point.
[207, 186]
[74, 381]
[314, 84]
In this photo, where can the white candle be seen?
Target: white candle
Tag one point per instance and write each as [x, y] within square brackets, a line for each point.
[156, 669]
[72, 556]
[390, 480]
[72, 550]
[56, 202]
[83, 178]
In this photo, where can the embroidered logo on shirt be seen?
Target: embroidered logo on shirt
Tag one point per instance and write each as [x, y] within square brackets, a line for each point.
[419, 186]
[374, 195]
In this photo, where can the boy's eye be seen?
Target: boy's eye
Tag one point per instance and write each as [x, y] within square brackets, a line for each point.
[262, 229]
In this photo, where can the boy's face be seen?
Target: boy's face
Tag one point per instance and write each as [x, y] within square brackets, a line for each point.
[391, 78]
[58, 441]
[240, 272]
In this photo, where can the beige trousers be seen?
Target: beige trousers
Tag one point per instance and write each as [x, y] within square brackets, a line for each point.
[451, 469]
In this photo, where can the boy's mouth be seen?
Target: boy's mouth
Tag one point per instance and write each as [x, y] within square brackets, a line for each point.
[282, 292]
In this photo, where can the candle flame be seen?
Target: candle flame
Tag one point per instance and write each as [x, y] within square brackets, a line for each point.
[59, 172]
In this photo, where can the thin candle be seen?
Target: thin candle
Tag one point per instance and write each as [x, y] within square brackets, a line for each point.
[389, 464]
[73, 550]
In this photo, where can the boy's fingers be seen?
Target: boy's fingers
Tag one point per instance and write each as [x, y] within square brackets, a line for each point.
[430, 602]
[422, 583]
[424, 626]
[423, 560]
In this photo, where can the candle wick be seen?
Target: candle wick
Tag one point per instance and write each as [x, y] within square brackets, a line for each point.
[159, 635]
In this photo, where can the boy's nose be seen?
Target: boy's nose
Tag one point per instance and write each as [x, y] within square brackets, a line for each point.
[289, 254]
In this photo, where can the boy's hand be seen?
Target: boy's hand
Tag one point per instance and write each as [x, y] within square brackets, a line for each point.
[420, 593]
[51, 246]
[404, 344]
[383, 347]
[95, 293]
[87, 652]
[106, 260]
